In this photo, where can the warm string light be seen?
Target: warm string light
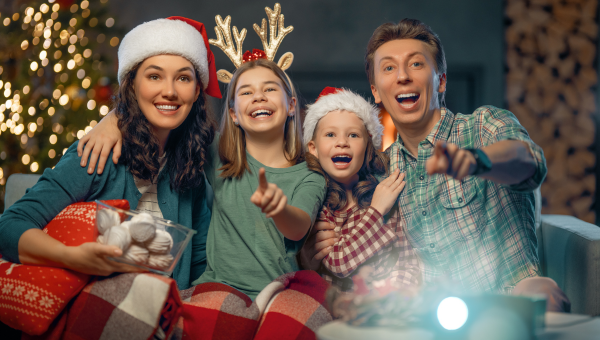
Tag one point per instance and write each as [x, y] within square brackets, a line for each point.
[61, 55]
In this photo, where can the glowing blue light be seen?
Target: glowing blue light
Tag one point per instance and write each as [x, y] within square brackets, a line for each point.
[452, 313]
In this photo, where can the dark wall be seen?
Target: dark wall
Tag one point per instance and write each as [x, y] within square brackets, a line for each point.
[330, 37]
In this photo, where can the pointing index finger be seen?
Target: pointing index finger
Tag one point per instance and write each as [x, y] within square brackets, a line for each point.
[262, 180]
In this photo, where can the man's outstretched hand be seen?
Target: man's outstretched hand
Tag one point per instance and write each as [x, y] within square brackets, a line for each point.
[449, 159]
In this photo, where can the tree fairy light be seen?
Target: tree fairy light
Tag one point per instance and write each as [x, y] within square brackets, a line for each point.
[56, 55]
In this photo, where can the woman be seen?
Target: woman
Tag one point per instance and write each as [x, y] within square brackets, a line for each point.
[165, 72]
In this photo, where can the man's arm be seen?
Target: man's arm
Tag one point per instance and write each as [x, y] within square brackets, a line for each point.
[512, 163]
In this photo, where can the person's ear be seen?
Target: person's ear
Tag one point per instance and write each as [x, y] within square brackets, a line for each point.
[197, 91]
[233, 116]
[292, 107]
[312, 148]
[375, 94]
[442, 86]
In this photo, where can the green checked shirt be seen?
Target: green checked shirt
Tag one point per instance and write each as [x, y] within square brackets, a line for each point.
[474, 231]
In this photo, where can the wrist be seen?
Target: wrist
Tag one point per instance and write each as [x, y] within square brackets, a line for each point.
[380, 210]
[482, 162]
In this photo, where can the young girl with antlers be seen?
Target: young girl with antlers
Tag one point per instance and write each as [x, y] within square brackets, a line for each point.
[256, 161]
[342, 134]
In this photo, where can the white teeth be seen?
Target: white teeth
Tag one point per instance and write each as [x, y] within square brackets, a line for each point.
[342, 156]
[406, 95]
[166, 107]
[257, 112]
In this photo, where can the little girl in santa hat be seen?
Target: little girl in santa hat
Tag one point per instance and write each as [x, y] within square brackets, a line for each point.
[342, 134]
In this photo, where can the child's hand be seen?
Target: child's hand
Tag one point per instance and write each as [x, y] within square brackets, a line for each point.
[99, 142]
[387, 191]
[268, 196]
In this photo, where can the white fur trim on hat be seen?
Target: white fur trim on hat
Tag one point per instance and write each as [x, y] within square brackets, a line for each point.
[163, 36]
[348, 101]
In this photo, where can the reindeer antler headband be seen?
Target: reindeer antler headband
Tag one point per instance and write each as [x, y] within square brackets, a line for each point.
[225, 43]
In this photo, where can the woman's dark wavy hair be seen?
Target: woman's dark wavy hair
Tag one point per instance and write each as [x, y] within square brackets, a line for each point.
[375, 163]
[186, 148]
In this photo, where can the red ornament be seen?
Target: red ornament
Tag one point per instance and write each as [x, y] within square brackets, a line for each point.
[255, 55]
[103, 93]
[64, 4]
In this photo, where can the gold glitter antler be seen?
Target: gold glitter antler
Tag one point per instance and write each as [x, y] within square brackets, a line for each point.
[275, 18]
[224, 41]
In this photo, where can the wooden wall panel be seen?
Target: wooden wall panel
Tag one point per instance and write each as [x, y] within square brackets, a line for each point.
[551, 79]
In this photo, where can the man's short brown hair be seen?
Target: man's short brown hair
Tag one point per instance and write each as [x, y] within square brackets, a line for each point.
[405, 29]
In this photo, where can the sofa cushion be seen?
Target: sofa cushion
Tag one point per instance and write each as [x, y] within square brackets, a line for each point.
[572, 253]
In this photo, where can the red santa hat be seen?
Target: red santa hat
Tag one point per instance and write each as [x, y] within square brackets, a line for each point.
[174, 35]
[333, 99]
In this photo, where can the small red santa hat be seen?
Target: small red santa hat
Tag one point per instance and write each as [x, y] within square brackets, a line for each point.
[174, 35]
[333, 99]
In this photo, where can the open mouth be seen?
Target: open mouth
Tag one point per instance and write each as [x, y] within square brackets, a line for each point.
[261, 113]
[341, 161]
[167, 108]
[408, 99]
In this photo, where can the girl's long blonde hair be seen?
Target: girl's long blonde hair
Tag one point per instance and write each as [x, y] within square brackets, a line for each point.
[232, 145]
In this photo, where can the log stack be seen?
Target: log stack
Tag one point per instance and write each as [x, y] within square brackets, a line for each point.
[551, 81]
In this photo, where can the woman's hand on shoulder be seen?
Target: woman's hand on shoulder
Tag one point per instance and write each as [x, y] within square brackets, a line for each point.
[99, 142]
[92, 258]
[387, 192]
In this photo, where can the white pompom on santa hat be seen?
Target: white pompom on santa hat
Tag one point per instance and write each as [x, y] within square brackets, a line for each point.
[174, 35]
[334, 99]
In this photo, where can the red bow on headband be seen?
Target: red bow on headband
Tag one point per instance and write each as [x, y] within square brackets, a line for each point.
[254, 55]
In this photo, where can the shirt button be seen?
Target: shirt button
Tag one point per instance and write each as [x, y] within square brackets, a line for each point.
[164, 202]
[422, 177]
[460, 200]
[424, 213]
[432, 245]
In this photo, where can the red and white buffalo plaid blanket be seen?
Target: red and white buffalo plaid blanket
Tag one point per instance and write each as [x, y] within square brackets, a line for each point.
[128, 306]
[291, 307]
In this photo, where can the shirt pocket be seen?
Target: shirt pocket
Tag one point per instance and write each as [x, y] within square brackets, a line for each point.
[462, 209]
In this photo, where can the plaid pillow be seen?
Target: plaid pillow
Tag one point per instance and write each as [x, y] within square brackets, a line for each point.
[31, 297]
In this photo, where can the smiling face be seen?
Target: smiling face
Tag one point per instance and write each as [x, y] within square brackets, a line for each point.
[339, 143]
[261, 104]
[166, 88]
[407, 83]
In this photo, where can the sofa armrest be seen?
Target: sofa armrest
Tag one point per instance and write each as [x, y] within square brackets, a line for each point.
[571, 250]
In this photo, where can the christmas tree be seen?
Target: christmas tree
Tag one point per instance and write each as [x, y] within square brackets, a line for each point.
[57, 75]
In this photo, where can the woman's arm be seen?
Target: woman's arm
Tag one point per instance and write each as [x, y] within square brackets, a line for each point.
[38, 248]
[99, 142]
[21, 237]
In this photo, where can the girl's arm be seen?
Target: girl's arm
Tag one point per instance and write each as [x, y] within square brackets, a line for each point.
[99, 142]
[369, 235]
[365, 239]
[292, 222]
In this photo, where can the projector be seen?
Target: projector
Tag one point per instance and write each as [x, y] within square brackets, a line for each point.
[489, 317]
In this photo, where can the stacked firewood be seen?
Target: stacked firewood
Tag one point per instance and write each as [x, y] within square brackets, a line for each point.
[551, 87]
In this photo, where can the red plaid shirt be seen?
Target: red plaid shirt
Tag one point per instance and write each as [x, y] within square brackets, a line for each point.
[367, 240]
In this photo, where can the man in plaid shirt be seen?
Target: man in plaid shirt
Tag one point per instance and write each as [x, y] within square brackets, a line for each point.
[468, 205]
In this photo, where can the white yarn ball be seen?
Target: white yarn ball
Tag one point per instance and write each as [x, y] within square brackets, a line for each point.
[161, 243]
[107, 218]
[118, 236]
[142, 228]
[137, 254]
[160, 261]
[100, 239]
